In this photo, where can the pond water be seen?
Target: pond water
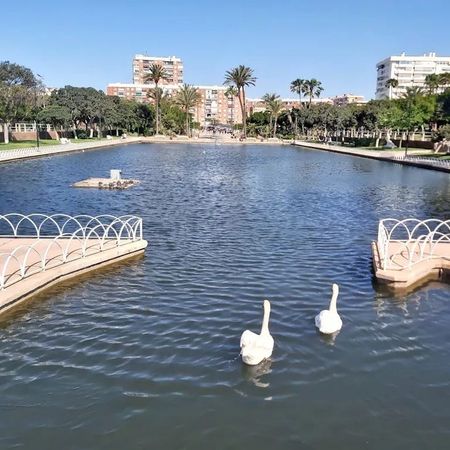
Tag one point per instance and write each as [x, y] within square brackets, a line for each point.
[144, 354]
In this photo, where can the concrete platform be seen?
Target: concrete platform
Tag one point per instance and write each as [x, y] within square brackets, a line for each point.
[400, 274]
[105, 183]
[50, 262]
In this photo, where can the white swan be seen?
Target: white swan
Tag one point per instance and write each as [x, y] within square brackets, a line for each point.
[255, 348]
[328, 321]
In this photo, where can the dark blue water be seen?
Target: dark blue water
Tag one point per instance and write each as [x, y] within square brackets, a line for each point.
[144, 354]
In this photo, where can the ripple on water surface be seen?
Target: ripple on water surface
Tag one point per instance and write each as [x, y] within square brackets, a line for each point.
[145, 354]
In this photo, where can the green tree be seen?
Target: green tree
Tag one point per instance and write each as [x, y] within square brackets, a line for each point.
[411, 111]
[187, 98]
[274, 106]
[241, 77]
[392, 83]
[84, 104]
[432, 82]
[19, 91]
[298, 87]
[58, 116]
[312, 88]
[155, 74]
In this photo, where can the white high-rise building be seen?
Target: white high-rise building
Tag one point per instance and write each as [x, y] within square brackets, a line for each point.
[409, 71]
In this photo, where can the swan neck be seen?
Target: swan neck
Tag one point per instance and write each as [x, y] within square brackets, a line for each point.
[333, 302]
[265, 322]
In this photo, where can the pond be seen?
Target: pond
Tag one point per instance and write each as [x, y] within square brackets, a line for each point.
[145, 354]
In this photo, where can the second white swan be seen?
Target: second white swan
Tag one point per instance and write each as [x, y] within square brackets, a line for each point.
[329, 321]
[255, 348]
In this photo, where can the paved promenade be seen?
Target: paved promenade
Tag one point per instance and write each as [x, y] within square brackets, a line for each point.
[385, 155]
[47, 150]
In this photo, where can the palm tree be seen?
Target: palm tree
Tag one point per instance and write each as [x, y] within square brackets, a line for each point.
[187, 98]
[240, 77]
[312, 88]
[274, 106]
[155, 74]
[391, 83]
[444, 79]
[432, 82]
[297, 87]
[269, 100]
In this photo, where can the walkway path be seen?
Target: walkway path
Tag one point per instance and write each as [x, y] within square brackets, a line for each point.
[34, 152]
[384, 155]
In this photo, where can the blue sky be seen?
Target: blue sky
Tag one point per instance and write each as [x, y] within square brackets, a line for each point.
[91, 43]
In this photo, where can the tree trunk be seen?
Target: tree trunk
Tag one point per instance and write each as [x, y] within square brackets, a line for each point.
[244, 114]
[157, 107]
[407, 144]
[6, 132]
[187, 122]
[274, 126]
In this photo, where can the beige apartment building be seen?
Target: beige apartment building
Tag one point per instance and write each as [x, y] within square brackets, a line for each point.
[347, 99]
[172, 65]
[214, 106]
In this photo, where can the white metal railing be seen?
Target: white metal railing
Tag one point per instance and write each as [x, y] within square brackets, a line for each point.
[60, 238]
[436, 162]
[403, 243]
[18, 153]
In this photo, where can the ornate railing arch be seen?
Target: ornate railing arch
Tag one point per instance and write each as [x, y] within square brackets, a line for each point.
[73, 237]
[404, 243]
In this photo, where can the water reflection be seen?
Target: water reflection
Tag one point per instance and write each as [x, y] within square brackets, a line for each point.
[255, 373]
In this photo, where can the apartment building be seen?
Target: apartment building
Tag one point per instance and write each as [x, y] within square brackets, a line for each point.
[409, 71]
[138, 91]
[347, 99]
[254, 105]
[214, 106]
[173, 66]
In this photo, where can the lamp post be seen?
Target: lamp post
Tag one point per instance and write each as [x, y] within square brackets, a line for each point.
[36, 125]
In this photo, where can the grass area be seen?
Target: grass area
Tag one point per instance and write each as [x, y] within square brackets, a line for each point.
[26, 144]
[43, 143]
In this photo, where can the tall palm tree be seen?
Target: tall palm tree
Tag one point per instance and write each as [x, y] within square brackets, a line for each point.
[155, 74]
[297, 87]
[240, 77]
[269, 100]
[275, 108]
[312, 88]
[231, 93]
[444, 79]
[432, 82]
[187, 98]
[391, 84]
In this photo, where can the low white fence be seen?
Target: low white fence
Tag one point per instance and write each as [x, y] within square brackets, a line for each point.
[403, 243]
[60, 238]
[18, 153]
[436, 162]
